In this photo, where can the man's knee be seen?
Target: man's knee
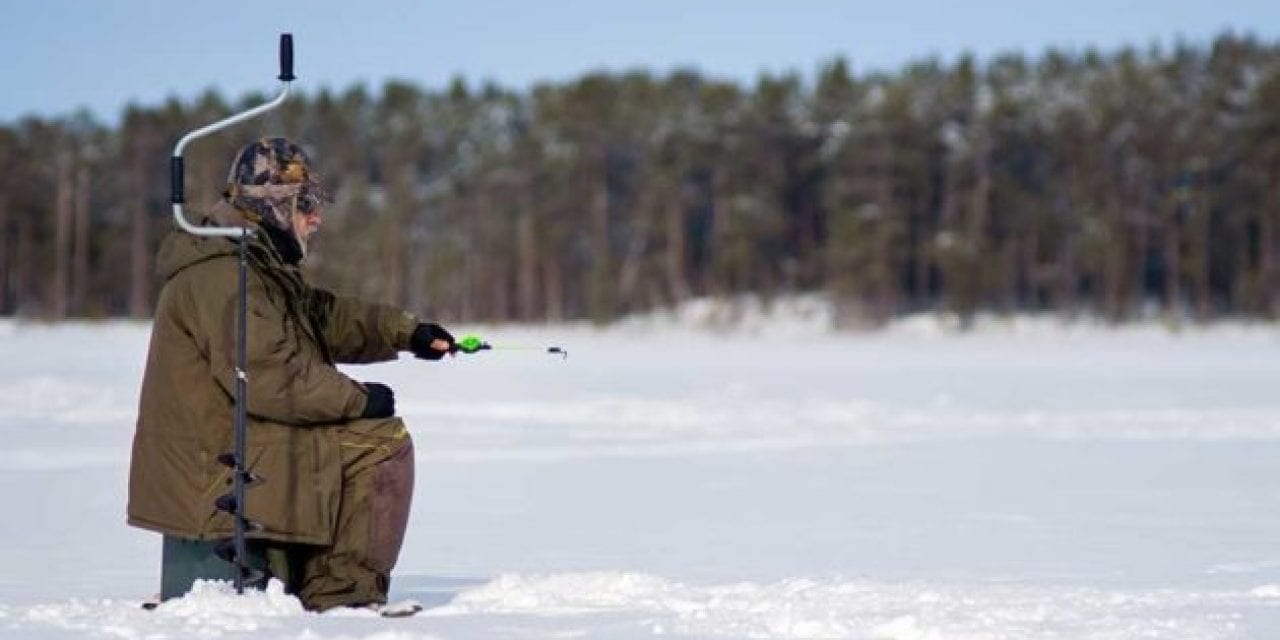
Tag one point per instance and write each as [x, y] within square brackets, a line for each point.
[392, 428]
[368, 443]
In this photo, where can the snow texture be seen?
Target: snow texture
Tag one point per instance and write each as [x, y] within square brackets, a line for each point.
[674, 478]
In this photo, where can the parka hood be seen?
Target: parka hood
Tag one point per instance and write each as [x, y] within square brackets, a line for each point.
[180, 250]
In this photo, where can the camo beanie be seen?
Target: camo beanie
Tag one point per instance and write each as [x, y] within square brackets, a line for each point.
[270, 179]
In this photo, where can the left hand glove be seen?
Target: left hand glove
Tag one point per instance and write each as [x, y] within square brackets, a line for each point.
[430, 341]
[381, 402]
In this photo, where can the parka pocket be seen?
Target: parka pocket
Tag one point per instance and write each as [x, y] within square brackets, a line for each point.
[297, 499]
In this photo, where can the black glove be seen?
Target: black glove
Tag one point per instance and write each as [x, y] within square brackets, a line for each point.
[381, 402]
[420, 341]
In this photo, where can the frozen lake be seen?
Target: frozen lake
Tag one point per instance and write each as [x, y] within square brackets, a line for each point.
[1022, 481]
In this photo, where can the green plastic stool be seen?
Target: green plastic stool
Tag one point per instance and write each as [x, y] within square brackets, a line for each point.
[185, 561]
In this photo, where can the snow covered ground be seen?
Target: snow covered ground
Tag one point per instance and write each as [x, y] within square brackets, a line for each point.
[1026, 480]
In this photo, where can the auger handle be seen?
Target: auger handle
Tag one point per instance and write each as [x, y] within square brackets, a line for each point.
[176, 169]
[286, 58]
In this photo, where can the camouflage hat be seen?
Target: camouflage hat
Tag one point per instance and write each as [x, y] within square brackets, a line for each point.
[269, 177]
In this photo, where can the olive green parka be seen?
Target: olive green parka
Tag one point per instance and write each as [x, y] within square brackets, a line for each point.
[295, 335]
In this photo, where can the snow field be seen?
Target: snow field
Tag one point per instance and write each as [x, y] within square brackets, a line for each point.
[1025, 480]
[795, 608]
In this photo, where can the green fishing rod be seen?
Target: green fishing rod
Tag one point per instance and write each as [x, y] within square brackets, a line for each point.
[474, 344]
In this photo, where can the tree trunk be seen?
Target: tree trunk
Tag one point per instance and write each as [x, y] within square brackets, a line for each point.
[553, 291]
[1172, 238]
[392, 262]
[470, 280]
[1267, 301]
[598, 280]
[1033, 267]
[5, 307]
[676, 245]
[64, 196]
[885, 292]
[634, 259]
[80, 251]
[139, 251]
[921, 241]
[1201, 237]
[527, 274]
[24, 297]
[399, 209]
[1115, 269]
[979, 212]
[715, 279]
[946, 263]
[140, 146]
[1138, 204]
[1068, 267]
[1011, 286]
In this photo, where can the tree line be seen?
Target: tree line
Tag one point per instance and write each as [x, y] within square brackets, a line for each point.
[1122, 184]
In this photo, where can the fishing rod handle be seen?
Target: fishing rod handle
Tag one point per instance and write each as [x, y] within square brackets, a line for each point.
[470, 344]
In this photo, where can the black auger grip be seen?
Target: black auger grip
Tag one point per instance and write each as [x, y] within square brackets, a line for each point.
[286, 57]
[175, 180]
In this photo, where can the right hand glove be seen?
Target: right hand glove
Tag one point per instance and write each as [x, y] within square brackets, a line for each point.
[381, 402]
[424, 336]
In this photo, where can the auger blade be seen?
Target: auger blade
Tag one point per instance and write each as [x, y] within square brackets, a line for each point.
[226, 502]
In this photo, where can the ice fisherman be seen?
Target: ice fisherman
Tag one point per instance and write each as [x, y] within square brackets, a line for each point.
[336, 464]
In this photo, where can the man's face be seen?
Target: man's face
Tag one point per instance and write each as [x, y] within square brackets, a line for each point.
[305, 224]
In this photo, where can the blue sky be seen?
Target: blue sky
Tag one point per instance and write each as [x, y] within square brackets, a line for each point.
[60, 55]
